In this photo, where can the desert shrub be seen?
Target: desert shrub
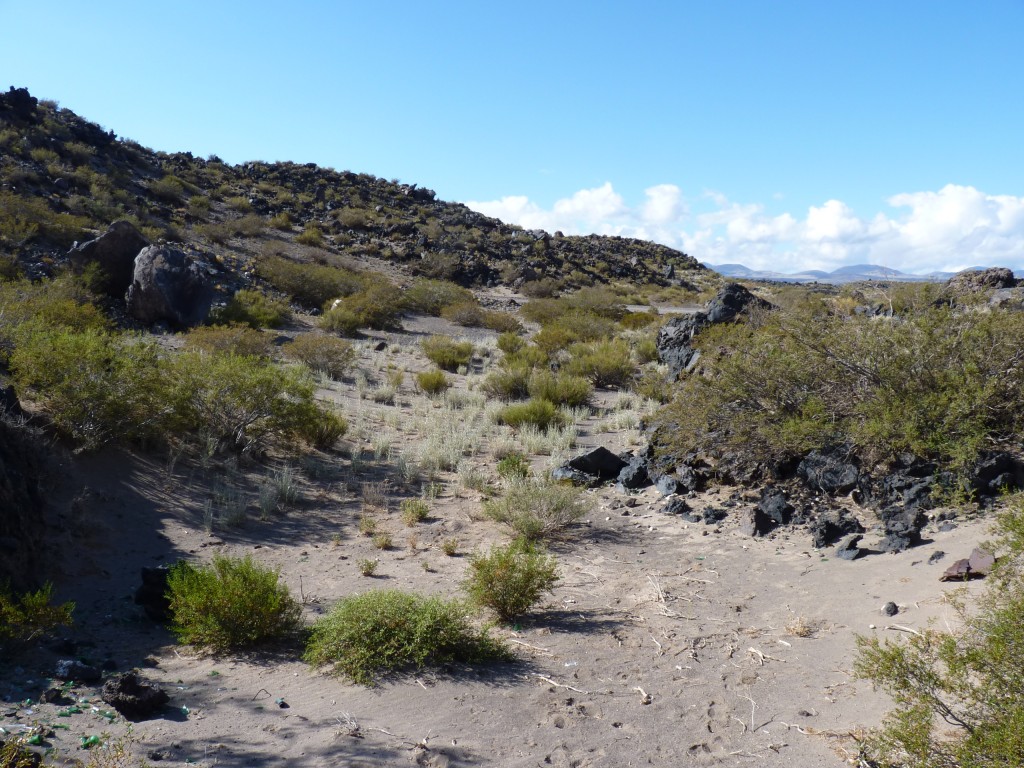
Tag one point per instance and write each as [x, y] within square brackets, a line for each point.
[510, 382]
[466, 313]
[378, 304]
[514, 467]
[542, 288]
[65, 302]
[167, 190]
[538, 508]
[414, 511]
[95, 386]
[959, 694]
[27, 617]
[510, 580]
[328, 355]
[432, 296]
[388, 631]
[646, 350]
[311, 235]
[560, 388]
[634, 321]
[605, 363]
[232, 604]
[243, 402]
[311, 285]
[446, 353]
[340, 320]
[228, 339]
[432, 382]
[281, 221]
[510, 343]
[537, 413]
[239, 203]
[939, 383]
[253, 308]
[502, 322]
[199, 205]
[572, 328]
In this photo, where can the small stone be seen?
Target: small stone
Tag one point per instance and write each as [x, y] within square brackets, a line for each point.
[890, 609]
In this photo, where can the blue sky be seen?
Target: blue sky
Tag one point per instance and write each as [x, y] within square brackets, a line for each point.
[780, 135]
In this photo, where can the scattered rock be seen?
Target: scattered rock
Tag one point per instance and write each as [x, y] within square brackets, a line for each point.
[831, 524]
[676, 506]
[775, 506]
[72, 669]
[754, 522]
[937, 555]
[169, 286]
[634, 474]
[668, 485]
[847, 548]
[902, 528]
[890, 609]
[133, 697]
[565, 473]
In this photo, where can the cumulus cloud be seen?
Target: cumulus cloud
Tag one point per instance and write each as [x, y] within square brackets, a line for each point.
[948, 229]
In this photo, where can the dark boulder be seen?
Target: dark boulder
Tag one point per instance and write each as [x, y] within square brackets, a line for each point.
[679, 507]
[599, 462]
[732, 301]
[152, 594]
[673, 342]
[169, 286]
[134, 698]
[775, 506]
[832, 470]
[18, 104]
[754, 522]
[114, 253]
[832, 524]
[634, 475]
[995, 473]
[902, 528]
[566, 474]
[847, 548]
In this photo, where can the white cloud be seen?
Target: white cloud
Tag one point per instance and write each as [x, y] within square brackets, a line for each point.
[954, 227]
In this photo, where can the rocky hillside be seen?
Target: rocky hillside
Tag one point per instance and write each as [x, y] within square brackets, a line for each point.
[64, 179]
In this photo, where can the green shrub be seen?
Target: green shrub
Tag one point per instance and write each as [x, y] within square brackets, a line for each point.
[30, 616]
[560, 388]
[970, 680]
[95, 386]
[432, 296]
[446, 353]
[466, 313]
[328, 355]
[239, 203]
[514, 467]
[243, 402]
[254, 309]
[230, 605]
[228, 339]
[167, 190]
[311, 285]
[634, 321]
[377, 305]
[414, 511]
[432, 382]
[510, 580]
[510, 382]
[605, 363]
[502, 322]
[510, 343]
[938, 383]
[340, 320]
[311, 235]
[538, 413]
[388, 631]
[281, 221]
[537, 508]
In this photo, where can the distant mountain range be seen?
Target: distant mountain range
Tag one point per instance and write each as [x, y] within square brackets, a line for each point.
[851, 274]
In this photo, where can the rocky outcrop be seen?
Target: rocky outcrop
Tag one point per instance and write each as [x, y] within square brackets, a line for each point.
[114, 253]
[169, 286]
[675, 337]
[134, 698]
[974, 281]
[832, 470]
[591, 468]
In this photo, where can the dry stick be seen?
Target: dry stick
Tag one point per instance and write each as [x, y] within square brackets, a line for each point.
[753, 706]
[761, 656]
[901, 628]
[549, 681]
[660, 649]
[535, 647]
[657, 587]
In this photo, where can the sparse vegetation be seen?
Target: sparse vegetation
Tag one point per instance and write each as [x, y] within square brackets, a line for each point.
[231, 604]
[254, 309]
[328, 355]
[432, 382]
[382, 632]
[30, 616]
[537, 413]
[538, 509]
[510, 580]
[446, 353]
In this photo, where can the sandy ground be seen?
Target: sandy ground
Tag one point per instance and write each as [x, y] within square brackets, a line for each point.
[665, 643]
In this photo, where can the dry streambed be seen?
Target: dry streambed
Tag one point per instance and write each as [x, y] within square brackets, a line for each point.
[664, 643]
